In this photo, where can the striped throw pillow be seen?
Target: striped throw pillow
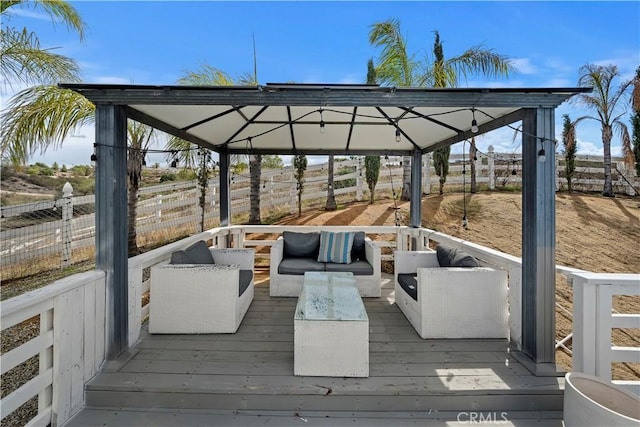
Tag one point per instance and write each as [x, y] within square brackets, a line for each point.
[336, 247]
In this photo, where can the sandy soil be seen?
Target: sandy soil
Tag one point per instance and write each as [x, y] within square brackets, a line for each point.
[593, 233]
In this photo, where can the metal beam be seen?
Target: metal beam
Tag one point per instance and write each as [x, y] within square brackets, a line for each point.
[293, 137]
[395, 125]
[538, 240]
[208, 119]
[353, 119]
[415, 206]
[146, 119]
[111, 221]
[507, 119]
[321, 152]
[225, 188]
[326, 96]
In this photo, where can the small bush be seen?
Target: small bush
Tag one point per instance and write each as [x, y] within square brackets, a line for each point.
[168, 177]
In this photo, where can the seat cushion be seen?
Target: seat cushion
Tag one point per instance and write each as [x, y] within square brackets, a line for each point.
[336, 247]
[198, 253]
[358, 268]
[245, 280]
[409, 282]
[357, 251]
[300, 245]
[299, 266]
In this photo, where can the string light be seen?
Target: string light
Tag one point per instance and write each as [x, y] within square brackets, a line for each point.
[541, 154]
[474, 122]
[321, 122]
[397, 134]
[94, 157]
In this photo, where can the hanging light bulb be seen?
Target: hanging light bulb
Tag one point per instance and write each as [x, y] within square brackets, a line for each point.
[397, 134]
[321, 122]
[465, 223]
[474, 122]
[174, 163]
[541, 154]
[94, 159]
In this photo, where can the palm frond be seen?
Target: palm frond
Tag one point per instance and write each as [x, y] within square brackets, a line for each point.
[206, 75]
[480, 61]
[395, 65]
[58, 10]
[627, 150]
[185, 151]
[23, 60]
[39, 118]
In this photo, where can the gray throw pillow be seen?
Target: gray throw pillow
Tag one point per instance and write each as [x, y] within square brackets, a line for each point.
[301, 245]
[445, 255]
[357, 251]
[198, 253]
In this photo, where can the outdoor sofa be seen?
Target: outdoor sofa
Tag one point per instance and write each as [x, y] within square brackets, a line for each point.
[295, 253]
[447, 294]
[201, 290]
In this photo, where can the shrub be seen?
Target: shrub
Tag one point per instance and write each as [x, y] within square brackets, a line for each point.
[168, 177]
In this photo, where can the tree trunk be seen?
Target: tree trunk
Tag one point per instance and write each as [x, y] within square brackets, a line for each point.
[134, 171]
[607, 134]
[331, 198]
[406, 178]
[255, 171]
[472, 162]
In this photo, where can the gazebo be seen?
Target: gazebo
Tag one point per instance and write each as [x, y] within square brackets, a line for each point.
[321, 119]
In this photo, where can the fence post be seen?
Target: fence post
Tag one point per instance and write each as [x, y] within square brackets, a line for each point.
[67, 216]
[159, 208]
[492, 168]
[292, 194]
[426, 173]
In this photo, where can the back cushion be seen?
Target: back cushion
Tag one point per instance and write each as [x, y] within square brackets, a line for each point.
[335, 247]
[198, 253]
[452, 257]
[357, 252]
[301, 245]
[445, 255]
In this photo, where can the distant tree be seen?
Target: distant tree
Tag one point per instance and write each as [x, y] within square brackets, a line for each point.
[441, 165]
[270, 161]
[399, 68]
[372, 173]
[635, 120]
[570, 149]
[371, 72]
[607, 102]
[331, 197]
[63, 169]
[55, 166]
[300, 166]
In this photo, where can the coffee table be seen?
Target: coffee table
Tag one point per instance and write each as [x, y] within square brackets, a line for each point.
[331, 327]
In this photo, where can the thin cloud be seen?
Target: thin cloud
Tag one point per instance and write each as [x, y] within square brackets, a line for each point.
[524, 66]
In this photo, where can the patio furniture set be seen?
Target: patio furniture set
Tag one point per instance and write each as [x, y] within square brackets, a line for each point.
[444, 293]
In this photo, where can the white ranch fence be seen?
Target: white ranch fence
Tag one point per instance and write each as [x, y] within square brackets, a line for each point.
[71, 345]
[65, 227]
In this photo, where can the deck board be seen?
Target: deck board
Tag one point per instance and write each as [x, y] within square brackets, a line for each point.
[252, 370]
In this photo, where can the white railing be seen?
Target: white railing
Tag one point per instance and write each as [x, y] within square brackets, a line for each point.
[593, 321]
[70, 346]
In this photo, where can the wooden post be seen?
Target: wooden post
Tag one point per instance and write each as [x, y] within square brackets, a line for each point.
[67, 217]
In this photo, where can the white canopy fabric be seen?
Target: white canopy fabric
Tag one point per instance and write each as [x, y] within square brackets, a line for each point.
[323, 119]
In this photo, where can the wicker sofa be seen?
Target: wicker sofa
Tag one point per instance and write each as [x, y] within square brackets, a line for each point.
[202, 290]
[446, 294]
[295, 253]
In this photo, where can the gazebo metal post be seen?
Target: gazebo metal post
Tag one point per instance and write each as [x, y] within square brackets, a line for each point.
[111, 221]
[225, 190]
[538, 241]
[415, 204]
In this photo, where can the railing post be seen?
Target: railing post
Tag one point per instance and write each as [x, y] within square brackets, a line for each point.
[584, 325]
[67, 217]
[492, 168]
[359, 181]
[45, 397]
[135, 308]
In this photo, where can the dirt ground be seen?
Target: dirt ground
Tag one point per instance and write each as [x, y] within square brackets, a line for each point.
[594, 233]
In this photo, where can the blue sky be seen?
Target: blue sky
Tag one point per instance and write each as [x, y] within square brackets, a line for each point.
[156, 42]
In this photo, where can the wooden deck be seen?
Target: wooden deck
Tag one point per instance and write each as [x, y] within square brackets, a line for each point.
[247, 378]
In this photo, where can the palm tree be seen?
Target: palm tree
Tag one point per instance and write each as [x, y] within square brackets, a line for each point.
[399, 68]
[208, 75]
[609, 106]
[22, 60]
